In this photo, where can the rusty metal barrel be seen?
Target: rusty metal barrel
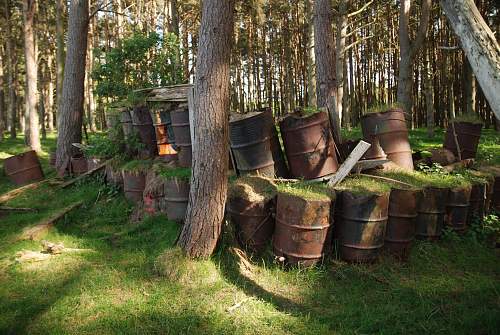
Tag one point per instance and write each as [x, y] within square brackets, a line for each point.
[400, 231]
[182, 134]
[142, 122]
[431, 213]
[79, 165]
[280, 165]
[24, 168]
[477, 202]
[163, 131]
[133, 185]
[52, 158]
[457, 208]
[309, 145]
[250, 136]
[176, 198]
[495, 199]
[362, 225]
[253, 221]
[468, 136]
[302, 234]
[390, 128]
[126, 123]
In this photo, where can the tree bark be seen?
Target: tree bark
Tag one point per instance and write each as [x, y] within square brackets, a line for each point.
[480, 46]
[429, 97]
[324, 52]
[207, 197]
[311, 59]
[408, 50]
[60, 11]
[33, 129]
[340, 57]
[71, 113]
[11, 109]
[2, 96]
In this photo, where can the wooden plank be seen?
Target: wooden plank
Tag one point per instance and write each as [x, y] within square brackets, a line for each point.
[349, 163]
[390, 180]
[18, 191]
[42, 228]
[88, 173]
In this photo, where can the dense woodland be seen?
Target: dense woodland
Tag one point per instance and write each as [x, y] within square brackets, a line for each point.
[152, 43]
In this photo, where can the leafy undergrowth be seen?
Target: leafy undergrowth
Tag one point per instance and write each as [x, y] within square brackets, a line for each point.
[118, 284]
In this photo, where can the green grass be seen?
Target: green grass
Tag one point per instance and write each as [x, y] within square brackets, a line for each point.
[122, 287]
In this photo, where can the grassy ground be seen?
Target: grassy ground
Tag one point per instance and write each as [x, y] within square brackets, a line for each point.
[448, 287]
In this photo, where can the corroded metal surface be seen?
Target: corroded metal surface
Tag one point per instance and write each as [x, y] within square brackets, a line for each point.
[176, 199]
[126, 122]
[431, 213]
[93, 162]
[79, 165]
[302, 233]
[477, 202]
[457, 208]
[495, 200]
[468, 136]
[253, 221]
[250, 136]
[400, 231]
[24, 168]
[114, 176]
[390, 128]
[309, 146]
[182, 134]
[142, 122]
[133, 186]
[362, 226]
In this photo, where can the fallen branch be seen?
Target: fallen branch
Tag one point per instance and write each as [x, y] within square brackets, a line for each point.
[390, 180]
[86, 174]
[17, 209]
[18, 191]
[42, 228]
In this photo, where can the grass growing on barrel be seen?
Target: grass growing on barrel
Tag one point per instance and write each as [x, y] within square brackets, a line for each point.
[363, 185]
[252, 188]
[122, 286]
[168, 172]
[307, 191]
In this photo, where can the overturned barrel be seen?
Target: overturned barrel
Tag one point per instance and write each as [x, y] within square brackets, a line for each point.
[309, 145]
[431, 213]
[302, 234]
[250, 205]
[182, 134]
[467, 134]
[250, 136]
[400, 231]
[390, 128]
[24, 168]
[142, 122]
[361, 228]
[457, 208]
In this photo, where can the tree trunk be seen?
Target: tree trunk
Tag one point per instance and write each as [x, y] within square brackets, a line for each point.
[71, 113]
[429, 98]
[207, 197]
[340, 57]
[480, 46]
[310, 56]
[60, 11]
[2, 97]
[11, 109]
[408, 50]
[33, 129]
[469, 89]
[324, 52]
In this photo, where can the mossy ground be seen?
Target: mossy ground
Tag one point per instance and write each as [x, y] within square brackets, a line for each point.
[122, 286]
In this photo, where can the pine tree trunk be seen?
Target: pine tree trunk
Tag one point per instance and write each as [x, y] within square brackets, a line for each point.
[429, 98]
[480, 46]
[71, 113]
[324, 52]
[2, 97]
[408, 50]
[310, 56]
[60, 10]
[340, 57]
[11, 109]
[33, 128]
[207, 197]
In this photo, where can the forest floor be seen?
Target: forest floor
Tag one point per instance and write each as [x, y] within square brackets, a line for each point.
[115, 284]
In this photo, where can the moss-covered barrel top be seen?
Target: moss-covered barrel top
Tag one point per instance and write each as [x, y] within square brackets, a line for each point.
[306, 191]
[363, 185]
[428, 179]
[252, 188]
[137, 166]
[168, 172]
